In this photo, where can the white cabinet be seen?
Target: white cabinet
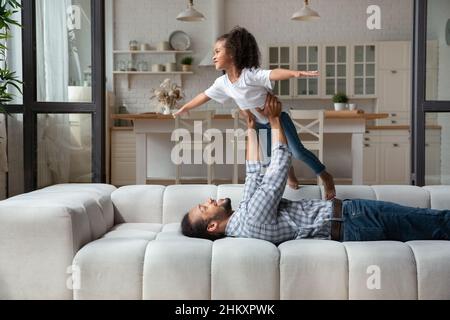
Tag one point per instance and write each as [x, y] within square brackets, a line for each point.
[363, 71]
[280, 57]
[395, 93]
[386, 157]
[394, 55]
[395, 165]
[123, 157]
[394, 82]
[307, 58]
[335, 65]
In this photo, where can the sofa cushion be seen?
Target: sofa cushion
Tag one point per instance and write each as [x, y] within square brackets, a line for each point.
[41, 231]
[245, 269]
[110, 269]
[313, 269]
[141, 203]
[433, 269]
[178, 269]
[405, 195]
[381, 270]
[439, 196]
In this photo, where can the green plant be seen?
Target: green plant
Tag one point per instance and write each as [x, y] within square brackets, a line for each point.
[7, 77]
[340, 98]
[187, 60]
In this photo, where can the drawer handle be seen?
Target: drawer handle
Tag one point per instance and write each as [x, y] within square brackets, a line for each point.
[394, 71]
[393, 121]
[367, 131]
[427, 145]
[366, 145]
[393, 114]
[395, 145]
[366, 139]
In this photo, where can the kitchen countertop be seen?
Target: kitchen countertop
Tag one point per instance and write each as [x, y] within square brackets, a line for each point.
[329, 114]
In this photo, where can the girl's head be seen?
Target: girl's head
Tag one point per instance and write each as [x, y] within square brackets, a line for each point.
[238, 48]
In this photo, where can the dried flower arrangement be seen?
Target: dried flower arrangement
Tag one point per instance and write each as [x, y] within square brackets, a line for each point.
[167, 95]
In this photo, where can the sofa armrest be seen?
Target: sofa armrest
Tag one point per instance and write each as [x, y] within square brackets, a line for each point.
[40, 233]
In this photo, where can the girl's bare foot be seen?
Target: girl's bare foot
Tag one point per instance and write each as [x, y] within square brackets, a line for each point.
[328, 184]
[292, 179]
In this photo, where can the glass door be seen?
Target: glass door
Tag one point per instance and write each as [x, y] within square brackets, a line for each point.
[431, 124]
[64, 96]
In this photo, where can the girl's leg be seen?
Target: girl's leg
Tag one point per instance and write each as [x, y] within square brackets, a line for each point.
[305, 155]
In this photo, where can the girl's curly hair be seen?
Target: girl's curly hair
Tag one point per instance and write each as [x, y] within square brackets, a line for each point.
[242, 46]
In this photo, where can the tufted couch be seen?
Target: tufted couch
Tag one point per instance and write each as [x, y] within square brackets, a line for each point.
[93, 241]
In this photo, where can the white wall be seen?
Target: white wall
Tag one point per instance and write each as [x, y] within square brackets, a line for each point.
[152, 21]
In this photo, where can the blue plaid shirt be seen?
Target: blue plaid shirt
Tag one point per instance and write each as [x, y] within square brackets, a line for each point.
[264, 214]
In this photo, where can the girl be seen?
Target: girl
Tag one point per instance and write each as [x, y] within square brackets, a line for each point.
[237, 55]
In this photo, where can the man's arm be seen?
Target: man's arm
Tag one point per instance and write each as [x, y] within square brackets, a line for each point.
[284, 74]
[263, 206]
[253, 176]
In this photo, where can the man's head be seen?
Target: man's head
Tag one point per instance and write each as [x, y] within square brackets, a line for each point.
[207, 220]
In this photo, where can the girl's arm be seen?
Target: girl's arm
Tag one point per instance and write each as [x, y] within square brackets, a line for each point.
[284, 74]
[194, 103]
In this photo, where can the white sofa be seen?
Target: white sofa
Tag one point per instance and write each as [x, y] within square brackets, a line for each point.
[93, 241]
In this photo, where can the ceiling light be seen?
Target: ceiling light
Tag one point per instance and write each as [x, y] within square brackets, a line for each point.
[305, 13]
[190, 14]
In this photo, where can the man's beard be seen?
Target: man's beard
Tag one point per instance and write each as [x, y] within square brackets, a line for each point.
[227, 210]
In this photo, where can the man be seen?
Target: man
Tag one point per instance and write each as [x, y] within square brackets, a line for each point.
[264, 214]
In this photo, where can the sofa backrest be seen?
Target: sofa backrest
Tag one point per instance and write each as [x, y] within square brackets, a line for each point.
[160, 204]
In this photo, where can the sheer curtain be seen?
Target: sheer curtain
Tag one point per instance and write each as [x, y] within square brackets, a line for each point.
[52, 57]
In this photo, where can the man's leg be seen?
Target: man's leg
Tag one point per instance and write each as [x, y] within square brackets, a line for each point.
[371, 220]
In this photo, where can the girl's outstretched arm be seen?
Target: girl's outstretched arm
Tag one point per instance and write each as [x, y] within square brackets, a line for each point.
[284, 74]
[194, 103]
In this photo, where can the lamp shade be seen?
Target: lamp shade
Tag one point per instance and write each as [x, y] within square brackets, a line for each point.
[190, 14]
[305, 14]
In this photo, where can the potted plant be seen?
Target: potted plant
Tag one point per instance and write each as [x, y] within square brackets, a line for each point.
[7, 77]
[340, 100]
[186, 63]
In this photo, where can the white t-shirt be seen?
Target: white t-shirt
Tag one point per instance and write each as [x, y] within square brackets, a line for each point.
[249, 91]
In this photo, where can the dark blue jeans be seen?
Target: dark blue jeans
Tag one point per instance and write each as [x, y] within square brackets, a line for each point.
[294, 143]
[370, 220]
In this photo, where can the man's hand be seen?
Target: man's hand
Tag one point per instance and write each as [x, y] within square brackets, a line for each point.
[307, 74]
[249, 117]
[272, 107]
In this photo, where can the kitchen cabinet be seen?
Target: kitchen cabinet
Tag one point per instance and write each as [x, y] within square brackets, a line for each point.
[386, 157]
[280, 57]
[363, 71]
[307, 58]
[123, 157]
[336, 73]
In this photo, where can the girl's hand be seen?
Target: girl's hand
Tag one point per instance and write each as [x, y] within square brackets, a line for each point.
[180, 112]
[308, 74]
